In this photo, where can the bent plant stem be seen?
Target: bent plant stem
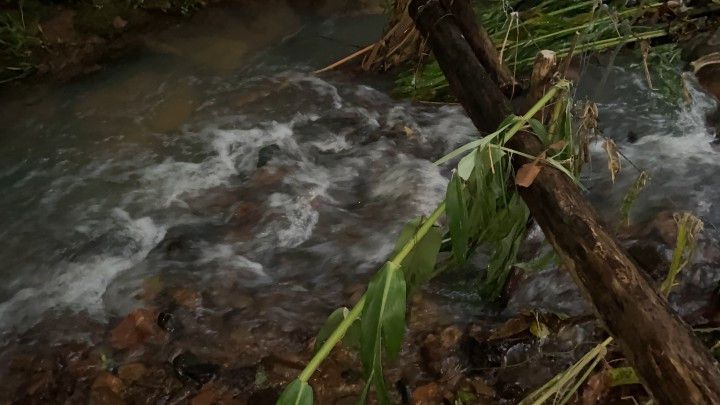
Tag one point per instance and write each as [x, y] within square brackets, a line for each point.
[339, 332]
[561, 85]
[353, 315]
[519, 123]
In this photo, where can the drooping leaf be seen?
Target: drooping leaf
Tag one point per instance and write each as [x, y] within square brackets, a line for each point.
[382, 324]
[632, 195]
[466, 165]
[296, 393]
[351, 337]
[613, 158]
[508, 230]
[418, 266]
[456, 209]
[539, 129]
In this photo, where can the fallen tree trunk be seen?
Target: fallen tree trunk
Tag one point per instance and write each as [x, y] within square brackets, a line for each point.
[672, 363]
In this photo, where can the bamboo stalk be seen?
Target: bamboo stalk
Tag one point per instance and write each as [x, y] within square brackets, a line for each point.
[345, 59]
[342, 328]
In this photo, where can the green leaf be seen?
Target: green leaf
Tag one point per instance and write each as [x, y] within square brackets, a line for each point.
[296, 393]
[540, 262]
[418, 266]
[351, 337]
[458, 219]
[539, 329]
[539, 129]
[382, 321]
[506, 233]
[622, 376]
[466, 165]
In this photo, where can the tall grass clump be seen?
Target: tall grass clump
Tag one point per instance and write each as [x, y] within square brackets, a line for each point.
[520, 31]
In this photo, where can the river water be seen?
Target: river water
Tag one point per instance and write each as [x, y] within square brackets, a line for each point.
[214, 177]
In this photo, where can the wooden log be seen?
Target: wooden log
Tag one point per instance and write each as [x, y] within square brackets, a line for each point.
[483, 47]
[544, 68]
[671, 362]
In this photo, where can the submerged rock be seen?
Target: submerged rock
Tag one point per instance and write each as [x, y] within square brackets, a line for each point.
[168, 322]
[265, 154]
[188, 367]
[136, 328]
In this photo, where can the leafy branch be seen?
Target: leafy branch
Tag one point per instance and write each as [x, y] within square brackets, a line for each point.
[480, 208]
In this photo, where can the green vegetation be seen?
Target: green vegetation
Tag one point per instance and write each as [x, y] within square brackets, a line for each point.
[632, 195]
[22, 41]
[482, 208]
[688, 229]
[19, 39]
[552, 24]
[563, 386]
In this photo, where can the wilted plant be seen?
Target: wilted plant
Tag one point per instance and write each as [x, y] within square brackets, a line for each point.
[688, 229]
[632, 195]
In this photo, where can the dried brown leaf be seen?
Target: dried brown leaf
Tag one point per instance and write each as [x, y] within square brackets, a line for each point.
[527, 174]
[613, 158]
[512, 327]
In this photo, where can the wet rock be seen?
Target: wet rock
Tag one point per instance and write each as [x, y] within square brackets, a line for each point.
[151, 287]
[187, 298]
[213, 393]
[136, 328]
[109, 381]
[188, 367]
[483, 352]
[440, 353]
[268, 176]
[266, 153]
[649, 256]
[168, 322]
[661, 228]
[132, 371]
[512, 327]
[482, 388]
[428, 394]
[267, 396]
[105, 396]
[245, 378]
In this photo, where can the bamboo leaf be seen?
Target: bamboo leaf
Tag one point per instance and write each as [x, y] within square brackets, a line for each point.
[419, 264]
[632, 195]
[297, 392]
[382, 321]
[458, 218]
[329, 326]
[351, 338]
[506, 233]
[539, 129]
[466, 165]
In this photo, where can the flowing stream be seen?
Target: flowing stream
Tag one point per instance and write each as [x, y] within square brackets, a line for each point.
[215, 165]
